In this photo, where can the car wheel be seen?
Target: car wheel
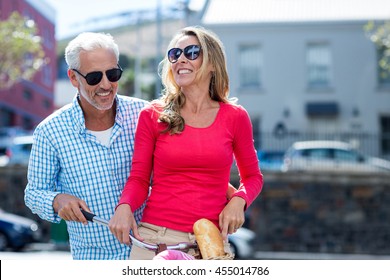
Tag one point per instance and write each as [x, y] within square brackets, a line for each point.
[3, 242]
[19, 248]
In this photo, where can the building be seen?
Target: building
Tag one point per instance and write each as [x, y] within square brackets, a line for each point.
[29, 102]
[305, 66]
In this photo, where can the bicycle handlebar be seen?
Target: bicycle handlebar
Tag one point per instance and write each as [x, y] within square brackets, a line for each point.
[152, 247]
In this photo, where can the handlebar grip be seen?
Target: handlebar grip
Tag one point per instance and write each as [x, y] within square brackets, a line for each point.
[87, 215]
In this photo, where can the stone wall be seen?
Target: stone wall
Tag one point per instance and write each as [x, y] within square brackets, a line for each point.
[324, 213]
[13, 181]
[12, 184]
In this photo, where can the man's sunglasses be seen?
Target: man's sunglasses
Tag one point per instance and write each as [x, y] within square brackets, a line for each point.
[93, 78]
[191, 52]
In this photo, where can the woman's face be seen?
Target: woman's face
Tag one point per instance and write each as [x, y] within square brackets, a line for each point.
[185, 70]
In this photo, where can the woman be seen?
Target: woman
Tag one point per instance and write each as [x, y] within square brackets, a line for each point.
[184, 144]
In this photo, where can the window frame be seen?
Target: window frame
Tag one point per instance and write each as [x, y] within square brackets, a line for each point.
[319, 65]
[251, 65]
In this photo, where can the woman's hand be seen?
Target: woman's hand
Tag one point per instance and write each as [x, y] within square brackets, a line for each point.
[232, 216]
[122, 222]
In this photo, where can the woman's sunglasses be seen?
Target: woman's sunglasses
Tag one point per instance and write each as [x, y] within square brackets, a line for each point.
[93, 78]
[191, 52]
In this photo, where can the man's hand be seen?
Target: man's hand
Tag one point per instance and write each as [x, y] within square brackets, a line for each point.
[68, 208]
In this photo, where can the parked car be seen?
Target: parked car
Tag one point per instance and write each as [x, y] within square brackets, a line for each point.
[17, 151]
[3, 156]
[331, 156]
[16, 232]
[270, 160]
[241, 243]
[9, 132]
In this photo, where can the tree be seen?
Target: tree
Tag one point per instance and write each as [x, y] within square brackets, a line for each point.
[21, 52]
[380, 35]
[126, 83]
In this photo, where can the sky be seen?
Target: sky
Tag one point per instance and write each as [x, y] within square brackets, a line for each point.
[74, 16]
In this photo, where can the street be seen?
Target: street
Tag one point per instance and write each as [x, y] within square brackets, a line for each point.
[47, 251]
[37, 251]
[37, 255]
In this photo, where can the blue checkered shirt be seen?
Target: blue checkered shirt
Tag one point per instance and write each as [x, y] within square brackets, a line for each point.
[66, 158]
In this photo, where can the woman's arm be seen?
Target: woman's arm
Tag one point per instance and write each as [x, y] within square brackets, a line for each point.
[251, 180]
[136, 188]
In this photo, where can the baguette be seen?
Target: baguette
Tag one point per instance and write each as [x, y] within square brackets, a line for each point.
[209, 239]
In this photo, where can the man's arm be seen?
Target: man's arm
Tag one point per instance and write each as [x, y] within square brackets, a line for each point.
[42, 178]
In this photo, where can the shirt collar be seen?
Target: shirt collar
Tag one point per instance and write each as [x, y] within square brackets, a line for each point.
[78, 115]
[119, 110]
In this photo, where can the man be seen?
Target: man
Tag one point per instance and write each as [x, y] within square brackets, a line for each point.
[81, 155]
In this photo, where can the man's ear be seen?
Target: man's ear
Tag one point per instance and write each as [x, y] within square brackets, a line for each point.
[73, 78]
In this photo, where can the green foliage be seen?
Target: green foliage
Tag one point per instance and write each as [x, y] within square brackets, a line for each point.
[21, 52]
[126, 83]
[380, 35]
[149, 91]
[126, 62]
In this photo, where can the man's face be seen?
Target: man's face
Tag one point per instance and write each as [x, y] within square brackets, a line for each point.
[102, 95]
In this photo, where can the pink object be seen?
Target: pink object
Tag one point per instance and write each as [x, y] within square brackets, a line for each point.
[173, 255]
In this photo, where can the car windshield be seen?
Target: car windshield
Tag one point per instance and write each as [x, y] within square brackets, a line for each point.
[317, 153]
[346, 155]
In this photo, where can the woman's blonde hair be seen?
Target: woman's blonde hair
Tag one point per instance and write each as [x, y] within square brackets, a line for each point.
[172, 99]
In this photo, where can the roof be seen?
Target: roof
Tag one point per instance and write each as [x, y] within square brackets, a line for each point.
[315, 144]
[267, 11]
[24, 139]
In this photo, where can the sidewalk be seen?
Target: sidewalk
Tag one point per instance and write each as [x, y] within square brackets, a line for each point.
[315, 256]
[47, 251]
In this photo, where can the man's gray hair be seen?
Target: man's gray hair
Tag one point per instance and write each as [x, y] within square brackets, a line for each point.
[88, 41]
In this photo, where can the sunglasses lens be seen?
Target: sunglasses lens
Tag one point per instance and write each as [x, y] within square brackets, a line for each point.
[94, 78]
[174, 54]
[192, 52]
[113, 75]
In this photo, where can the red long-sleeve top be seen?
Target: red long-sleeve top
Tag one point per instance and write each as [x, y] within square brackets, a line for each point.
[189, 172]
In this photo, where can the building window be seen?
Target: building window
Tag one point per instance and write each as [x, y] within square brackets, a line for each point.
[250, 65]
[46, 104]
[383, 54]
[27, 14]
[47, 38]
[319, 65]
[7, 117]
[47, 75]
[27, 123]
[385, 135]
[27, 95]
